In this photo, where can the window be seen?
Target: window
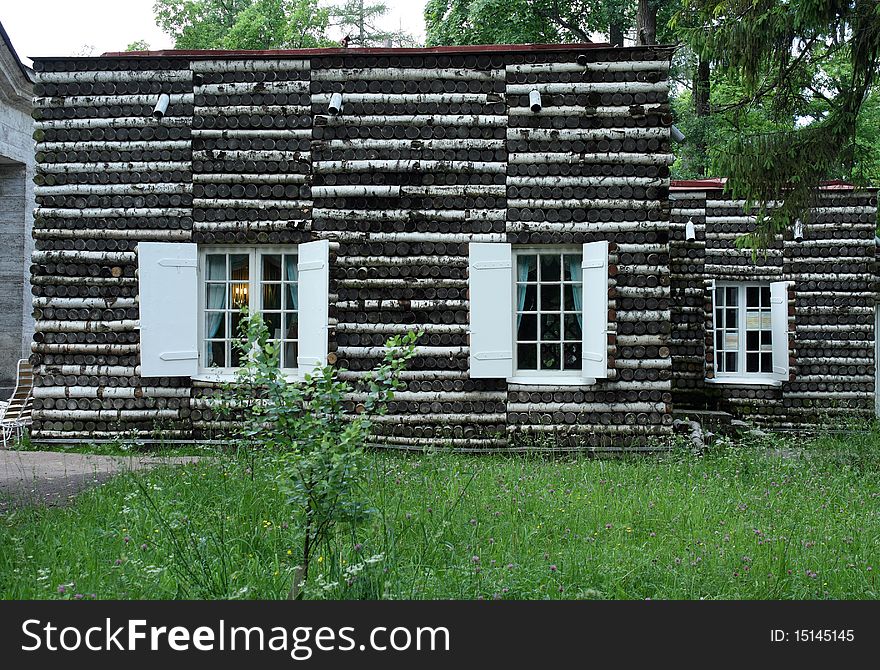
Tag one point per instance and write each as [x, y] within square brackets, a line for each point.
[264, 279]
[743, 330]
[549, 312]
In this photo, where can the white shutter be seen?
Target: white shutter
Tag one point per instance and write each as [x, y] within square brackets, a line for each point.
[490, 287]
[779, 324]
[313, 293]
[168, 298]
[595, 310]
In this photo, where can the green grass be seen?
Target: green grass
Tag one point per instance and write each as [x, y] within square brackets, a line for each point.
[741, 522]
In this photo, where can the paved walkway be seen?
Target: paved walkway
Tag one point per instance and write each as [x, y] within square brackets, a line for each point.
[53, 478]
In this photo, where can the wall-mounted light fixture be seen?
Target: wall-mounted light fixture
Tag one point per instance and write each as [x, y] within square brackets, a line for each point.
[582, 59]
[690, 231]
[798, 231]
[335, 107]
[535, 100]
[161, 106]
[677, 135]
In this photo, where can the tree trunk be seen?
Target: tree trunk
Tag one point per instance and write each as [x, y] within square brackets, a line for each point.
[646, 22]
[702, 108]
[615, 34]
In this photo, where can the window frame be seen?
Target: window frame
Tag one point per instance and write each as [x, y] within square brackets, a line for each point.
[741, 376]
[255, 253]
[557, 377]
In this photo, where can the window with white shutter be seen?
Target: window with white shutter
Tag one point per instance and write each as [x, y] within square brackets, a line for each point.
[750, 332]
[779, 318]
[314, 309]
[490, 289]
[595, 306]
[168, 301]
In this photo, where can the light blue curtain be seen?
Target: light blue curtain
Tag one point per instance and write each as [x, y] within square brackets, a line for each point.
[216, 300]
[292, 276]
[577, 273]
[524, 265]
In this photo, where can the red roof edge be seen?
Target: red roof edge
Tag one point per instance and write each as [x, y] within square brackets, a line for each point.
[334, 51]
[719, 183]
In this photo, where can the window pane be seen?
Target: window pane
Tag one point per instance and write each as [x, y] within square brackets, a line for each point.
[529, 301]
[752, 340]
[765, 296]
[752, 363]
[239, 266]
[216, 266]
[766, 338]
[730, 362]
[572, 328]
[719, 297]
[215, 297]
[526, 268]
[289, 355]
[753, 296]
[215, 325]
[767, 362]
[528, 327]
[239, 295]
[550, 355]
[550, 327]
[272, 296]
[550, 267]
[527, 356]
[732, 296]
[571, 262]
[236, 323]
[291, 298]
[731, 318]
[573, 356]
[236, 357]
[271, 267]
[568, 302]
[215, 354]
[550, 297]
[273, 323]
[291, 326]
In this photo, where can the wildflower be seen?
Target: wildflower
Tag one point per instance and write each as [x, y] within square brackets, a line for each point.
[78, 596]
[144, 546]
[652, 534]
[118, 561]
[510, 566]
[473, 522]
[290, 552]
[552, 568]
[608, 526]
[62, 589]
[126, 539]
[561, 589]
[358, 546]
[475, 559]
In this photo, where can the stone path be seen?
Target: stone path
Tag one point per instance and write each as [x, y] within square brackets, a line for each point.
[53, 478]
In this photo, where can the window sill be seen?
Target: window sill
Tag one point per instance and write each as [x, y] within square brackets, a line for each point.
[225, 377]
[745, 381]
[551, 381]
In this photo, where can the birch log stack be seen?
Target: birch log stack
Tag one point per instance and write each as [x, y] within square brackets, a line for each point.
[429, 151]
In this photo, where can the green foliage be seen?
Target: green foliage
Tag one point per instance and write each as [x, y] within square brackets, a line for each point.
[451, 22]
[776, 518]
[138, 45]
[243, 24]
[312, 431]
[357, 20]
[788, 58]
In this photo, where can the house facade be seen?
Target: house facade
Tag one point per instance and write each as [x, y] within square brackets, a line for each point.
[511, 202]
[16, 211]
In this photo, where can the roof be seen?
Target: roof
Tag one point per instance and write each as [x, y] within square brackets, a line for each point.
[373, 51]
[714, 183]
[26, 71]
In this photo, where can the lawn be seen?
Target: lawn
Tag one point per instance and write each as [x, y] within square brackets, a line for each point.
[759, 520]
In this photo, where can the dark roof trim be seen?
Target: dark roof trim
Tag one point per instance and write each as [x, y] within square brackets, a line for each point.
[25, 70]
[719, 183]
[464, 49]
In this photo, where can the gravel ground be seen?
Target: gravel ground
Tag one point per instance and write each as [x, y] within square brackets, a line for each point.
[53, 478]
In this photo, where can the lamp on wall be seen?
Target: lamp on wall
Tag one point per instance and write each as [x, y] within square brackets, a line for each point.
[161, 106]
[335, 107]
[798, 231]
[535, 100]
[690, 231]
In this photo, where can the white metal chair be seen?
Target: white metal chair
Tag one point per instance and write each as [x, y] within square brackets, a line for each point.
[15, 415]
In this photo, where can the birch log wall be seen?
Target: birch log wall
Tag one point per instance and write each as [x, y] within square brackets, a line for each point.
[832, 299]
[434, 149]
